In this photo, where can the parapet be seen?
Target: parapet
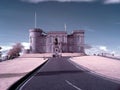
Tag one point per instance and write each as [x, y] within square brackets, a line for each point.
[36, 30]
[57, 32]
[78, 31]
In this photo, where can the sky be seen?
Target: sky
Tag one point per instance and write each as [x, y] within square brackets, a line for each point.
[99, 18]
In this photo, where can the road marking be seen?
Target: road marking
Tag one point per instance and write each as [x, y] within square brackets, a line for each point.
[24, 83]
[77, 67]
[73, 85]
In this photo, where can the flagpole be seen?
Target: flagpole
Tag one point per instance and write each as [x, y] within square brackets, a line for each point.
[65, 27]
[35, 20]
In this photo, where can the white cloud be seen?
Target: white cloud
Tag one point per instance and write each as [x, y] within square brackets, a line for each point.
[26, 45]
[6, 48]
[37, 1]
[103, 48]
[105, 1]
[9, 46]
[33, 1]
[72, 0]
[111, 1]
[98, 49]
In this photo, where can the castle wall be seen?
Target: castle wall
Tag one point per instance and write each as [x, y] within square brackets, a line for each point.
[40, 43]
[62, 40]
[78, 41]
[36, 41]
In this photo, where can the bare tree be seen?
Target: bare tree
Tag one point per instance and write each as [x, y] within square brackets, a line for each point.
[18, 47]
[15, 51]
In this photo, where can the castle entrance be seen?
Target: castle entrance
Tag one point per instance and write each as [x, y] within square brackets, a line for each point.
[56, 48]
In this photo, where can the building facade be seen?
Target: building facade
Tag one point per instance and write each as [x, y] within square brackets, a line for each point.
[56, 41]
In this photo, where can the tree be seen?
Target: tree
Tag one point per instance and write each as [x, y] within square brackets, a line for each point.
[15, 51]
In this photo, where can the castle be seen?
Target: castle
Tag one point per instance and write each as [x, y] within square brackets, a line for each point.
[56, 41]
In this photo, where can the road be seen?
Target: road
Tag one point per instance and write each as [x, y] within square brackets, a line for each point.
[60, 74]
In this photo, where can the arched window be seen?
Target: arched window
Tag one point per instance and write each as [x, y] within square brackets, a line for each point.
[56, 41]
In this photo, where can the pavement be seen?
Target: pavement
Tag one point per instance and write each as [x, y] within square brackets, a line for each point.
[105, 67]
[13, 70]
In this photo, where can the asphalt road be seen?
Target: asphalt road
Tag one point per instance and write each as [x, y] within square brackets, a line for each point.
[60, 74]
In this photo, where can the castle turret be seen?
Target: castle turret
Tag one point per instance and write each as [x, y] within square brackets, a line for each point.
[57, 41]
[34, 40]
[79, 41]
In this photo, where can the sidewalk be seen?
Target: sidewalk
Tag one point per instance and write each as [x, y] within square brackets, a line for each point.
[106, 67]
[13, 70]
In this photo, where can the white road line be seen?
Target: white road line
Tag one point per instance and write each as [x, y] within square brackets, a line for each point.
[77, 67]
[73, 85]
[25, 83]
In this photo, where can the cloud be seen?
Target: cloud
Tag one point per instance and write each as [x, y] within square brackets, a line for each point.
[103, 48]
[111, 1]
[9, 46]
[98, 49]
[26, 45]
[6, 48]
[38, 1]
[105, 1]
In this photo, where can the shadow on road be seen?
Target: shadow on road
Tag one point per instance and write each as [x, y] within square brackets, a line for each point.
[59, 72]
[9, 75]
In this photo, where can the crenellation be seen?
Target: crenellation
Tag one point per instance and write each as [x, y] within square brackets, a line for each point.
[42, 42]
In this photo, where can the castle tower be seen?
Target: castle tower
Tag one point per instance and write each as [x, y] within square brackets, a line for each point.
[41, 42]
[79, 41]
[34, 40]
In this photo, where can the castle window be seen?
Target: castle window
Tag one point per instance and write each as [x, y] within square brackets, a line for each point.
[56, 41]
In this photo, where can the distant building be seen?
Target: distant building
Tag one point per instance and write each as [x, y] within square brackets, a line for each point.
[56, 41]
